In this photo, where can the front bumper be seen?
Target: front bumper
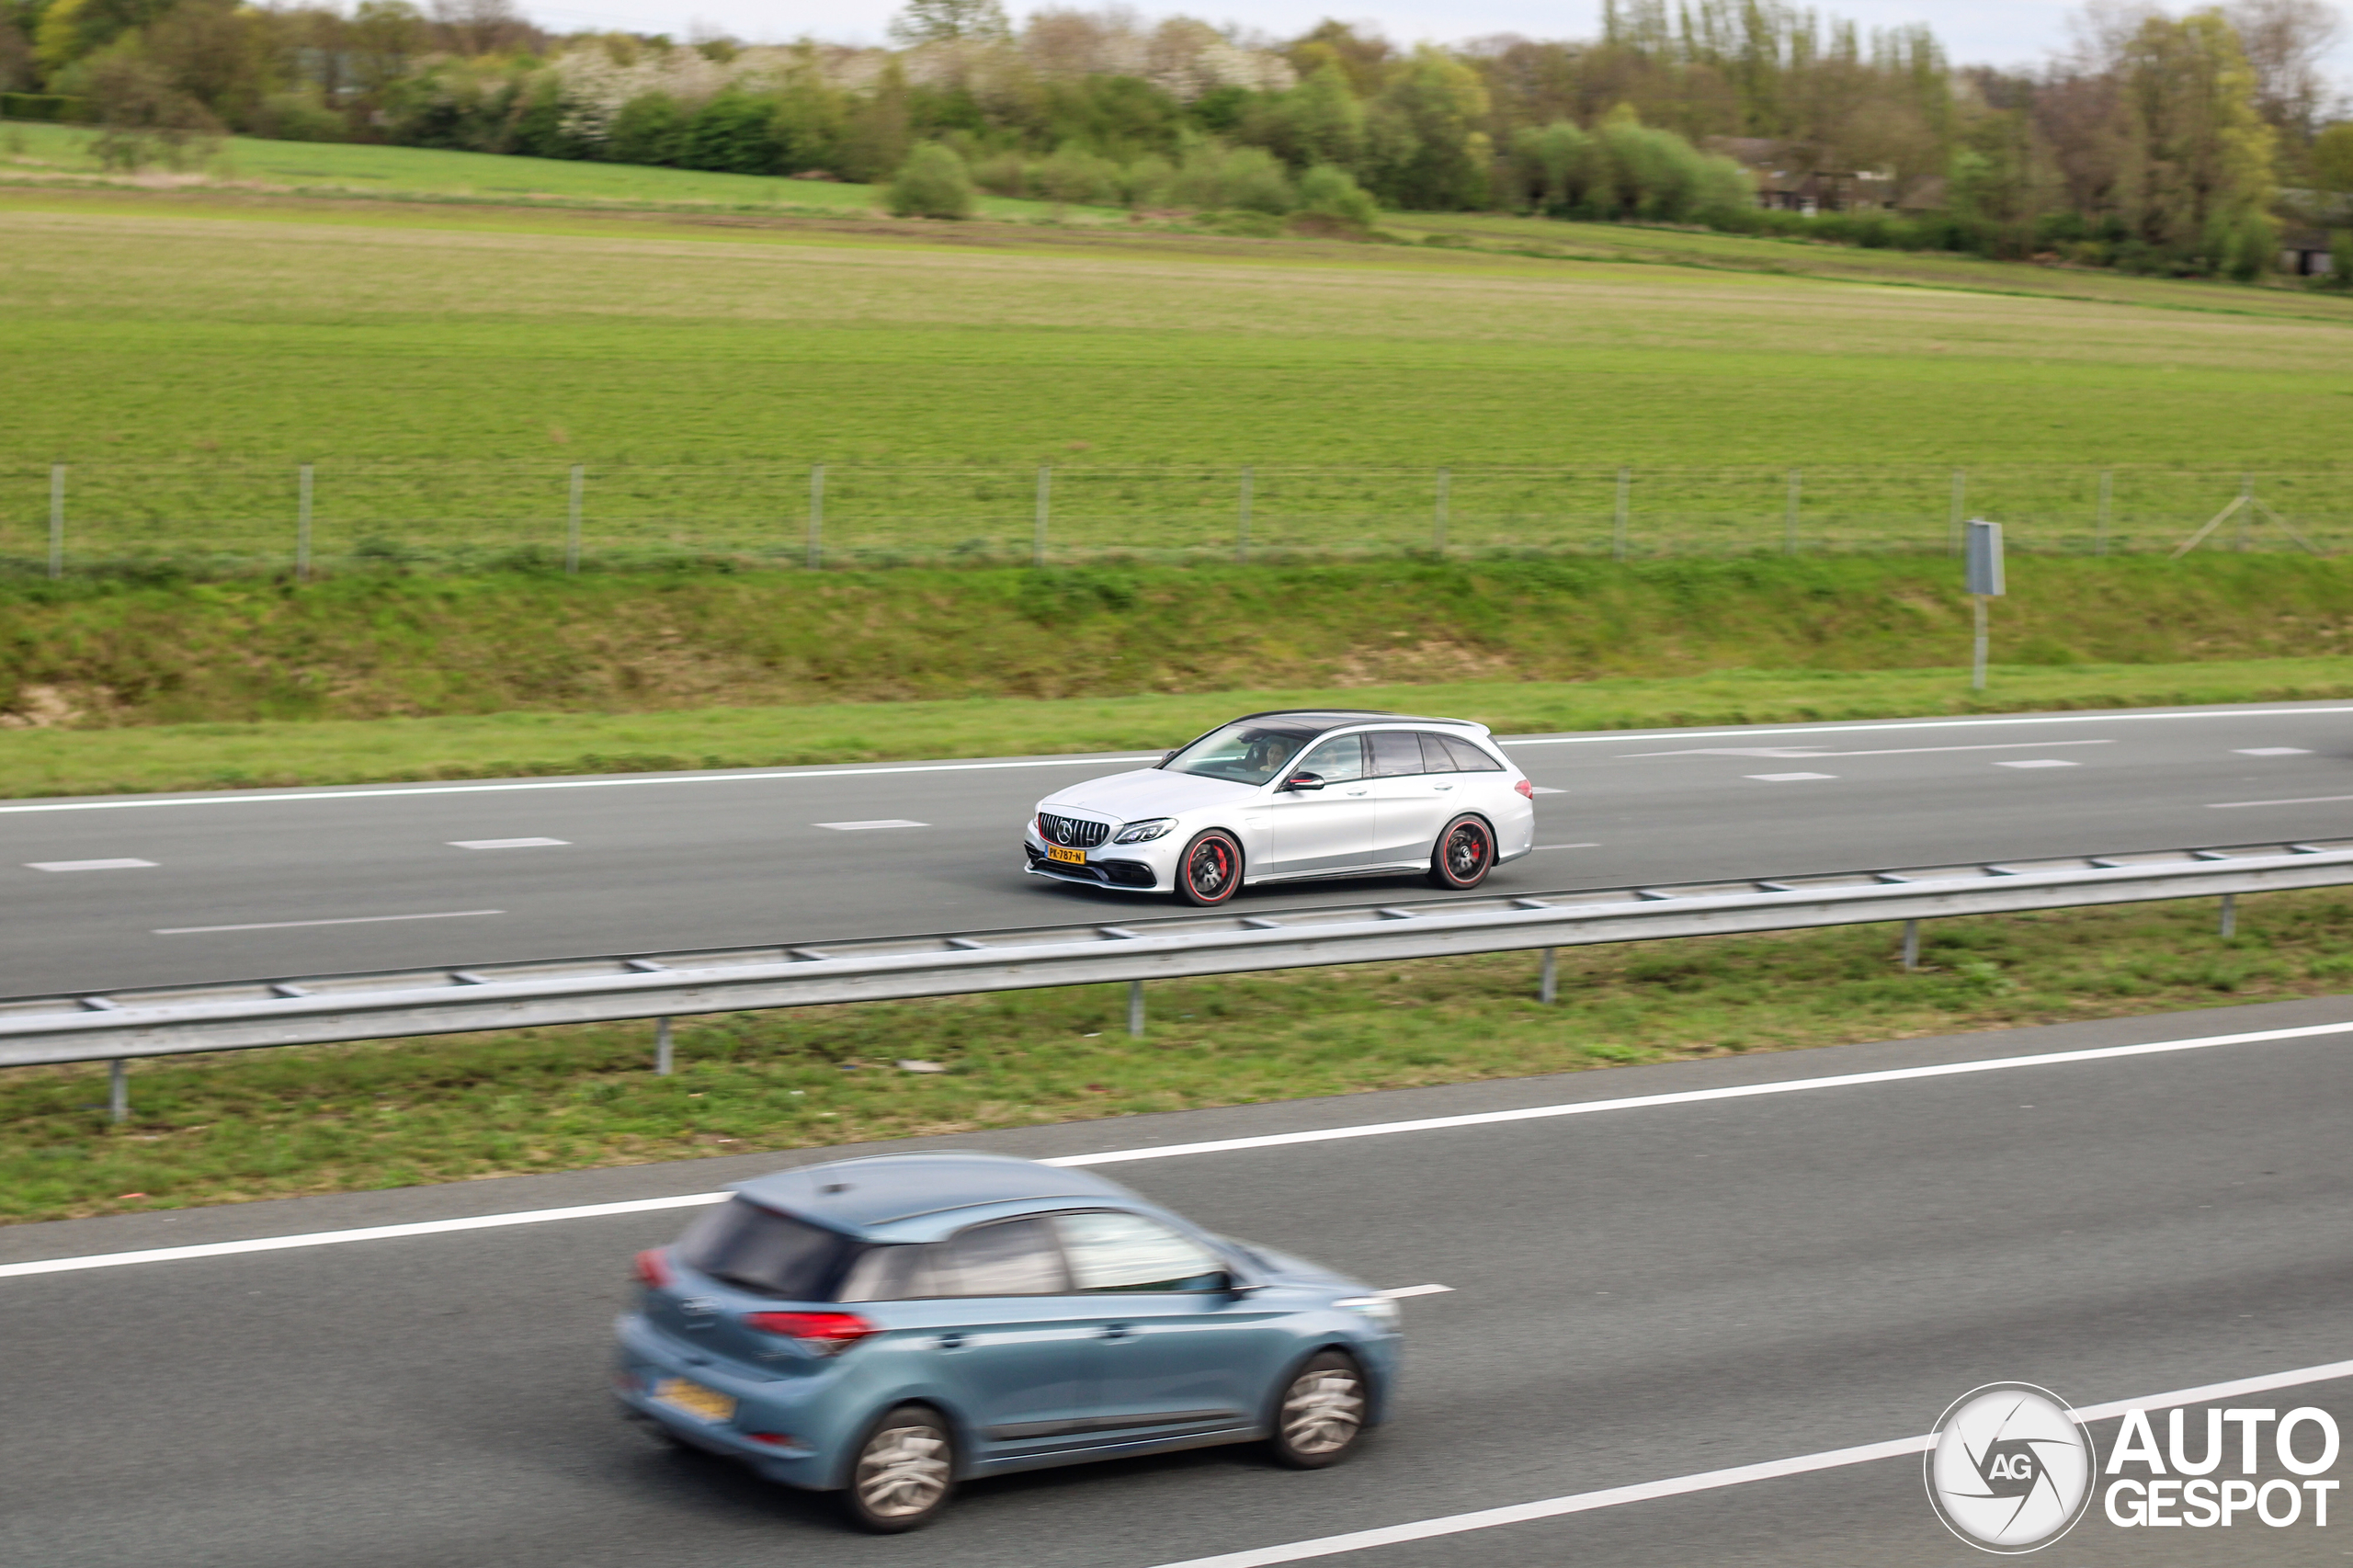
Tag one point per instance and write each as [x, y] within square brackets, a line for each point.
[1131, 868]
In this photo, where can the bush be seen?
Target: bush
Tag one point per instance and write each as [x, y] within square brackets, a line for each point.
[42, 106]
[932, 183]
[298, 116]
[1328, 191]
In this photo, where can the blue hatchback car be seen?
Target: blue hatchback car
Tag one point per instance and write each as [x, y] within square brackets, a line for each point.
[886, 1327]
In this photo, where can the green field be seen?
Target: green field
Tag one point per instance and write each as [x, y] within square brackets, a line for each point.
[445, 366]
[31, 151]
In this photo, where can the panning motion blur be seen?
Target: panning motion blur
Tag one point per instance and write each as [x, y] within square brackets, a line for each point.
[888, 1326]
[1290, 795]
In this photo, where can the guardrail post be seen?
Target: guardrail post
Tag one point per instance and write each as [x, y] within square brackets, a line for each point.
[1911, 944]
[2230, 914]
[662, 1048]
[1548, 985]
[1135, 1008]
[118, 1090]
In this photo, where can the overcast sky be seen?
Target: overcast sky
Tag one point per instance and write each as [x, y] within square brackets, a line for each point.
[1987, 32]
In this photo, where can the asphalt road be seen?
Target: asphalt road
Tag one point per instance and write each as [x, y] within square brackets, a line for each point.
[264, 885]
[1639, 1294]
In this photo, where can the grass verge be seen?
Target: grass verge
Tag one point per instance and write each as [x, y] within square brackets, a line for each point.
[267, 1124]
[169, 758]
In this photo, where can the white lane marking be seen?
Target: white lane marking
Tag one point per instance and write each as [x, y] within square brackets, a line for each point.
[349, 920]
[1403, 1292]
[1892, 751]
[1789, 778]
[2039, 762]
[506, 843]
[1619, 737]
[1715, 1480]
[1547, 789]
[1568, 847]
[238, 798]
[1225, 1145]
[865, 826]
[2272, 751]
[86, 865]
[2302, 800]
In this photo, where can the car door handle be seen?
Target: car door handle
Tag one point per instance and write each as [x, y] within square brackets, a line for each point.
[1442, 789]
[951, 1340]
[1356, 791]
[1116, 1331]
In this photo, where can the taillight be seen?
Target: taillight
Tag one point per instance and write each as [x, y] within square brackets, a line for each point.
[827, 1334]
[1525, 787]
[653, 1269]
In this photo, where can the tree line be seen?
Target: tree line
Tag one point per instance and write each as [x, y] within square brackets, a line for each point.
[2186, 143]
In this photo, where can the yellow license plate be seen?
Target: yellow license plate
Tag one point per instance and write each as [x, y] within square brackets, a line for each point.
[695, 1399]
[1067, 856]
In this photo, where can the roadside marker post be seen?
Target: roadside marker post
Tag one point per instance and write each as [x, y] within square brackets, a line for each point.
[57, 519]
[572, 528]
[303, 526]
[1982, 577]
[816, 516]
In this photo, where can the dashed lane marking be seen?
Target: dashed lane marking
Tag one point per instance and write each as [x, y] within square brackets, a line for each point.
[87, 865]
[868, 827]
[1789, 778]
[2039, 762]
[347, 920]
[506, 843]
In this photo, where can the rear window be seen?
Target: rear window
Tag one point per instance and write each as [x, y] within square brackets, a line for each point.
[1468, 757]
[760, 1250]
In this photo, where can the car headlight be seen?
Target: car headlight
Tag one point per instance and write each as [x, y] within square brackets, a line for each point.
[1380, 1309]
[1144, 831]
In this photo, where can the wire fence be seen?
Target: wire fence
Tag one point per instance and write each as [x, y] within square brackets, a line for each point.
[225, 519]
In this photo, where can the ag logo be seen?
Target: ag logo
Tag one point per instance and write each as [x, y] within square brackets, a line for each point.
[2008, 1469]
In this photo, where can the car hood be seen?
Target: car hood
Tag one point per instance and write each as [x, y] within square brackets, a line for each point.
[1146, 792]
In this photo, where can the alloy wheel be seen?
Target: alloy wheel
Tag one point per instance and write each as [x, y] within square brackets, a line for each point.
[1323, 1411]
[903, 1470]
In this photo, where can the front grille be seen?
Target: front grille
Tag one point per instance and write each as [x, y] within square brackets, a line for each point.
[1073, 833]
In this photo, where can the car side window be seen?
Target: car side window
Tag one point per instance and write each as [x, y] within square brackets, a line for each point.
[1396, 753]
[890, 1274]
[1012, 1257]
[1469, 758]
[1336, 761]
[1114, 1252]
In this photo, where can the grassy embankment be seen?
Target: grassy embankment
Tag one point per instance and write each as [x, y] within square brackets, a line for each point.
[371, 677]
[445, 366]
[336, 1118]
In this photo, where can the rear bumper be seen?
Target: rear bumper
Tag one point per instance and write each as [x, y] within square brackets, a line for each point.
[645, 1356]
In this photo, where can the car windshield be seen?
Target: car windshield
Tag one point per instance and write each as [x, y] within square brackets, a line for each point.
[1250, 752]
[774, 1254]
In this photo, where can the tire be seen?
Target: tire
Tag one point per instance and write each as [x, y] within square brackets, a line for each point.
[1210, 871]
[1319, 1417]
[1464, 855]
[905, 1473]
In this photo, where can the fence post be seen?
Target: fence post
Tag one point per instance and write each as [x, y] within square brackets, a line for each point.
[57, 519]
[302, 527]
[1789, 516]
[1045, 495]
[1437, 530]
[118, 1090]
[1135, 1008]
[661, 1058]
[1959, 497]
[1547, 984]
[1618, 528]
[816, 516]
[1241, 528]
[571, 528]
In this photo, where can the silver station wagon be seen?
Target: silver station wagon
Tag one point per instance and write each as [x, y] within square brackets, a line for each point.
[1290, 795]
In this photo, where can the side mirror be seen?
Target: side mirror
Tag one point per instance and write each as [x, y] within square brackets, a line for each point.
[1164, 759]
[1303, 781]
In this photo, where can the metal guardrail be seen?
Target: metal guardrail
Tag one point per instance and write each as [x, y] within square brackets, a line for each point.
[166, 1021]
